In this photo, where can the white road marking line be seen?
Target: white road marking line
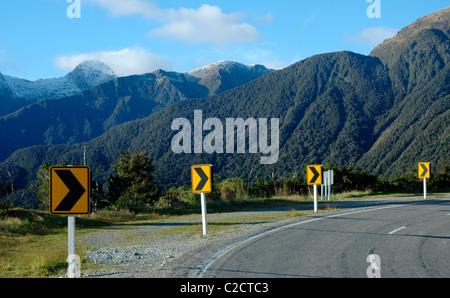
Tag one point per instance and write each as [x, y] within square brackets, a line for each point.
[396, 230]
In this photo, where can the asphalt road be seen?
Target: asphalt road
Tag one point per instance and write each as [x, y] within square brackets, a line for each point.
[405, 240]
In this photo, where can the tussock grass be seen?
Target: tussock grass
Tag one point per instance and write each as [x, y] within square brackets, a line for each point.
[120, 216]
[351, 195]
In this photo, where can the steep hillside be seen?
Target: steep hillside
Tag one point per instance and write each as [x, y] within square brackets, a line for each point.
[418, 52]
[417, 127]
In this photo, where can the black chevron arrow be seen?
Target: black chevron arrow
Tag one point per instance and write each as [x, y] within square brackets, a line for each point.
[425, 170]
[316, 174]
[76, 190]
[203, 178]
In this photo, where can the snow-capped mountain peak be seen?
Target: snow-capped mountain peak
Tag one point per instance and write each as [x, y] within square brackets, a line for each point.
[94, 66]
[217, 66]
[224, 75]
[87, 74]
[90, 73]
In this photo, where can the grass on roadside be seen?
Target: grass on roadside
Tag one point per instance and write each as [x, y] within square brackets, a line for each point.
[34, 243]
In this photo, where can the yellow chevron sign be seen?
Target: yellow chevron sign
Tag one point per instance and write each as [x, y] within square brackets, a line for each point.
[314, 174]
[201, 178]
[424, 170]
[70, 190]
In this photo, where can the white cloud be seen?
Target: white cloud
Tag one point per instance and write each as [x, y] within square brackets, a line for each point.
[373, 36]
[265, 20]
[207, 24]
[306, 22]
[275, 64]
[128, 61]
[261, 56]
[255, 55]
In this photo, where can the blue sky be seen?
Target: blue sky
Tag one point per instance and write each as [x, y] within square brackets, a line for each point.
[38, 39]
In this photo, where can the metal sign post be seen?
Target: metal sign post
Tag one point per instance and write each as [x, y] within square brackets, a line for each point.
[73, 270]
[425, 188]
[204, 222]
[315, 198]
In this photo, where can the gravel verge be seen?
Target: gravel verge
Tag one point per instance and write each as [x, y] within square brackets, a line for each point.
[162, 249]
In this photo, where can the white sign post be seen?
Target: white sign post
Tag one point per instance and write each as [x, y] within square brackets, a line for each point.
[315, 198]
[73, 270]
[424, 188]
[330, 182]
[205, 224]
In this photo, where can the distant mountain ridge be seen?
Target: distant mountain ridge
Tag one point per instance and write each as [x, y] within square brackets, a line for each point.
[88, 114]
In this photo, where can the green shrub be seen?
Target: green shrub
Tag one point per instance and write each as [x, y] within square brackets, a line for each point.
[232, 189]
[440, 180]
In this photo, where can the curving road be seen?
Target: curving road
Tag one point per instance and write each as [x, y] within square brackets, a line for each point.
[404, 240]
